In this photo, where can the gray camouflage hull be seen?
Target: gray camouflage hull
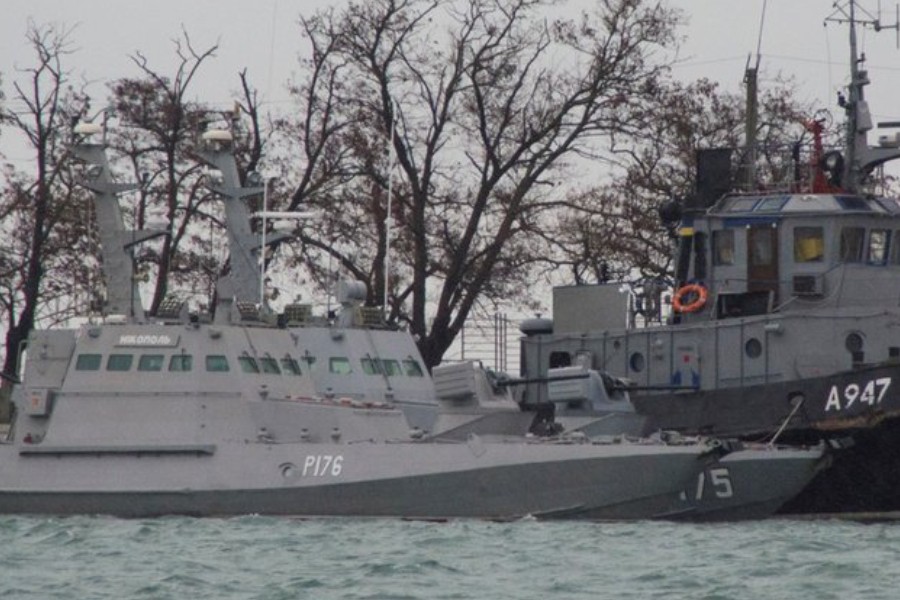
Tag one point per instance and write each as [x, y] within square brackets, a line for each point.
[426, 480]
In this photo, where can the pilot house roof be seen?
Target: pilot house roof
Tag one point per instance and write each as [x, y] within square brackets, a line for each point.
[776, 204]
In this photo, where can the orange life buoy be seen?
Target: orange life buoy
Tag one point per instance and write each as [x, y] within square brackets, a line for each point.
[692, 289]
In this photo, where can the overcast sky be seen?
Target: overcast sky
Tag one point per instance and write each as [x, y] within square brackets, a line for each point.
[263, 36]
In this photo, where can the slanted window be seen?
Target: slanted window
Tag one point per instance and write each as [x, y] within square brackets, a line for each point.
[370, 366]
[339, 365]
[742, 204]
[216, 363]
[269, 365]
[87, 362]
[151, 362]
[723, 247]
[290, 366]
[248, 364]
[413, 368]
[119, 362]
[852, 239]
[771, 204]
[391, 367]
[181, 363]
[809, 244]
[879, 239]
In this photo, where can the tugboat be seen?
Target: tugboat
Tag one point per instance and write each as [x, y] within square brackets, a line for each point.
[249, 411]
[784, 318]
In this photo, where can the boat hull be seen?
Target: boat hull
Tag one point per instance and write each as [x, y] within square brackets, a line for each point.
[427, 481]
[863, 475]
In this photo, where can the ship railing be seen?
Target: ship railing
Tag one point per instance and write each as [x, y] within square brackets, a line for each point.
[151, 394]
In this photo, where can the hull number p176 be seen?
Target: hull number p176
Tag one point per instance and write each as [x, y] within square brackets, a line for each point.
[322, 465]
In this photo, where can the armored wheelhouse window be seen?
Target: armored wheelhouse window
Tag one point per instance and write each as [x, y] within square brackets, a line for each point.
[248, 364]
[269, 365]
[370, 366]
[339, 365]
[879, 240]
[723, 247]
[852, 239]
[151, 362]
[413, 368]
[87, 362]
[391, 367]
[216, 363]
[181, 363]
[119, 362]
[809, 244]
[289, 366]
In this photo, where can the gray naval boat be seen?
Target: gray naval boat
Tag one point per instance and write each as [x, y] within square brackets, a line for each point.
[248, 411]
[784, 315]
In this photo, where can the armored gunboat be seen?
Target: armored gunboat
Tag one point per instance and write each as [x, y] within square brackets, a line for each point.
[251, 411]
[783, 322]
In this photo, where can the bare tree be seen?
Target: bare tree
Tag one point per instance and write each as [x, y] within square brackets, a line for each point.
[42, 214]
[158, 129]
[485, 105]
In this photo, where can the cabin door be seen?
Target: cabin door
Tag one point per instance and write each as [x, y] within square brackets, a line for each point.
[762, 259]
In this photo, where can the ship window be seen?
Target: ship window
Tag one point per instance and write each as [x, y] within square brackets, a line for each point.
[852, 203]
[879, 240]
[119, 362]
[269, 365]
[391, 367]
[753, 348]
[370, 366]
[248, 364]
[290, 366]
[743, 204]
[809, 244]
[637, 362]
[560, 359]
[895, 249]
[339, 365]
[852, 244]
[216, 363]
[181, 362]
[151, 362]
[771, 204]
[87, 362]
[412, 368]
[853, 342]
[723, 247]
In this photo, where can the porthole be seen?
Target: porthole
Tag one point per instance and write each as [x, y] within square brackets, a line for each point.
[753, 348]
[853, 342]
[637, 362]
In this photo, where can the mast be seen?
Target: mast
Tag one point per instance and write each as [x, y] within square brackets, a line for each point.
[117, 244]
[750, 124]
[859, 157]
[242, 282]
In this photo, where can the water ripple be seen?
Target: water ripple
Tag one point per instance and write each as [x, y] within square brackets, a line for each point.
[382, 559]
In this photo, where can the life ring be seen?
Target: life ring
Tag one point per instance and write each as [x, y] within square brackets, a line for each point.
[678, 302]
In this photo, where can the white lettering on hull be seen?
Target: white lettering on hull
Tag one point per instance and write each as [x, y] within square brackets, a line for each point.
[147, 340]
[871, 392]
[322, 465]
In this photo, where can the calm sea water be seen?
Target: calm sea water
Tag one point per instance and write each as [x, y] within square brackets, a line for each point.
[83, 558]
